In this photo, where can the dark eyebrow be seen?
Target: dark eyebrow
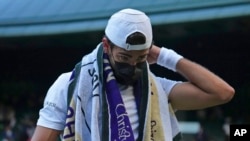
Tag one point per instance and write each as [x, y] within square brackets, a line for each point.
[128, 55]
[144, 55]
[125, 54]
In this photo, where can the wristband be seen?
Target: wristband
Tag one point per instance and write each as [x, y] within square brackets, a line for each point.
[168, 58]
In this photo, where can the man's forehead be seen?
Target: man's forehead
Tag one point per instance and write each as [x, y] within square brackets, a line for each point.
[128, 51]
[134, 53]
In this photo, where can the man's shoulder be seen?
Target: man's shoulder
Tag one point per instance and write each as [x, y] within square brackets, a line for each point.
[64, 77]
[62, 80]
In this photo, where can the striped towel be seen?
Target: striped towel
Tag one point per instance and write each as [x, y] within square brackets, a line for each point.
[92, 113]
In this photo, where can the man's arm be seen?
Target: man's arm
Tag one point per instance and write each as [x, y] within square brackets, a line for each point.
[45, 134]
[54, 111]
[203, 89]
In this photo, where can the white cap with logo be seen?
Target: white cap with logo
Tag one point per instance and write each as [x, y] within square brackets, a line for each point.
[124, 23]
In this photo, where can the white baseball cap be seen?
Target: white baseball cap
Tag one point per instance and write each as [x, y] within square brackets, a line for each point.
[125, 22]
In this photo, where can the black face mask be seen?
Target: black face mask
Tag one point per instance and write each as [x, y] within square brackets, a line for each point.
[127, 74]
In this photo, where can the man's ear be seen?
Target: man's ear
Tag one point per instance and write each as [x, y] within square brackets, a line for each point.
[105, 44]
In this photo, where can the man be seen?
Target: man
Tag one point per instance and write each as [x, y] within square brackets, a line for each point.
[113, 95]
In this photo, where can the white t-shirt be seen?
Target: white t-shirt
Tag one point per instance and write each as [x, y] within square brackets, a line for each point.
[53, 114]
